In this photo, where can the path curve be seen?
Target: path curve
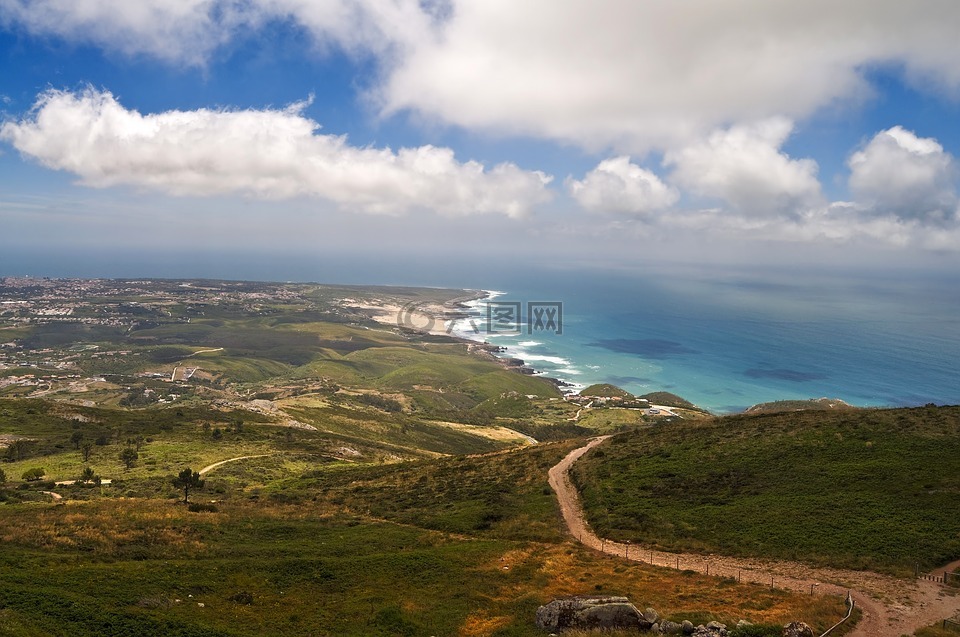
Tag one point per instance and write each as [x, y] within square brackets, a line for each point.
[211, 467]
[909, 604]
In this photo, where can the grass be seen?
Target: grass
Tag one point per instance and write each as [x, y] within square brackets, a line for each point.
[151, 568]
[867, 489]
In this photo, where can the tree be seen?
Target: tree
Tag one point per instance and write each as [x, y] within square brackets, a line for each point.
[85, 450]
[188, 480]
[129, 456]
[3, 476]
[76, 438]
[87, 476]
[18, 449]
[217, 434]
[31, 475]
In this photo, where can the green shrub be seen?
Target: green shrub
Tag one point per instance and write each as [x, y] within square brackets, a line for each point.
[33, 474]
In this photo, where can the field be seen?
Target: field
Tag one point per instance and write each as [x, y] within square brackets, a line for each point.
[313, 567]
[873, 489]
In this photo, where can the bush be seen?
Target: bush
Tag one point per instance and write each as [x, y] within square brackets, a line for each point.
[197, 507]
[243, 597]
[31, 475]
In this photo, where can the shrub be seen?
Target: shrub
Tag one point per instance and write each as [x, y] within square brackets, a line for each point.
[31, 475]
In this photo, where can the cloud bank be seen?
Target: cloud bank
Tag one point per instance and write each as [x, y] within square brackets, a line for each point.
[642, 75]
[632, 76]
[271, 154]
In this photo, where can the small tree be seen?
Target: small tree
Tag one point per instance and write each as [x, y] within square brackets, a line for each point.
[3, 476]
[188, 480]
[18, 449]
[217, 434]
[76, 438]
[129, 456]
[85, 450]
[31, 475]
[87, 476]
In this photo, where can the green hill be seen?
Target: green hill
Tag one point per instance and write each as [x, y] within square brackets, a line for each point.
[870, 489]
[605, 390]
[667, 399]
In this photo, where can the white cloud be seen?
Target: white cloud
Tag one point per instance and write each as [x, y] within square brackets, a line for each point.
[904, 174]
[744, 166]
[608, 73]
[618, 185]
[265, 154]
[188, 31]
[641, 75]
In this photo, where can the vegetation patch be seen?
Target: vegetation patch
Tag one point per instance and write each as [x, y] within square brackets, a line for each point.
[873, 489]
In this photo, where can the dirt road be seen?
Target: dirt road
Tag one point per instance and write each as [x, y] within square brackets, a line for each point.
[891, 607]
[213, 466]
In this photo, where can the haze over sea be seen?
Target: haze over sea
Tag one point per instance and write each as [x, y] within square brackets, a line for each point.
[724, 338]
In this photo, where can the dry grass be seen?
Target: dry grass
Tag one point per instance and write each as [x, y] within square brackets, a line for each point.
[104, 527]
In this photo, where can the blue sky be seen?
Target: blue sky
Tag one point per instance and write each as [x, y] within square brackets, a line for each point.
[617, 134]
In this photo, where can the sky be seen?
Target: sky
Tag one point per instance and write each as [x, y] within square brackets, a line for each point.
[219, 136]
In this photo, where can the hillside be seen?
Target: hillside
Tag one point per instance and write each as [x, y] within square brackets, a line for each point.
[864, 489]
[605, 390]
[812, 404]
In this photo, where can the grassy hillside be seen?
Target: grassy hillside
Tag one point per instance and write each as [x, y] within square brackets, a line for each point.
[866, 489]
[313, 567]
[605, 390]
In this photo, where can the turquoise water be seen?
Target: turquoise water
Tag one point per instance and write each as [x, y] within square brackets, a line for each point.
[728, 342]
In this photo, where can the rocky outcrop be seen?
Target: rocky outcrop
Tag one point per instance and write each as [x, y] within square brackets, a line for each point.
[713, 629]
[798, 629]
[610, 612]
[605, 612]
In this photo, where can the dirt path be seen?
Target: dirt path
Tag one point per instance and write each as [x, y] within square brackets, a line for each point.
[891, 607]
[56, 496]
[213, 466]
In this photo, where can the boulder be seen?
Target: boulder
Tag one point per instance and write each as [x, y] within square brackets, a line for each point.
[713, 629]
[668, 627]
[798, 629]
[605, 612]
[686, 627]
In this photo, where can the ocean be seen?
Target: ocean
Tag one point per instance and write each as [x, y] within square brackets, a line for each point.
[721, 337]
[726, 341]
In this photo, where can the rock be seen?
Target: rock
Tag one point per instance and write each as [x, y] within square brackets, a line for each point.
[798, 629]
[604, 612]
[651, 615]
[655, 628]
[668, 627]
[744, 622]
[686, 627]
[713, 629]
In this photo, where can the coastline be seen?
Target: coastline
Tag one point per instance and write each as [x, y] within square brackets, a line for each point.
[460, 319]
[467, 309]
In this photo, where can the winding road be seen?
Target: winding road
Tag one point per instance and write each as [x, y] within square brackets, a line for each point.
[891, 607]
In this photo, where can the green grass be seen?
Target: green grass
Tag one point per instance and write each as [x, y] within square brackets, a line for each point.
[501, 495]
[150, 568]
[868, 489]
[605, 390]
